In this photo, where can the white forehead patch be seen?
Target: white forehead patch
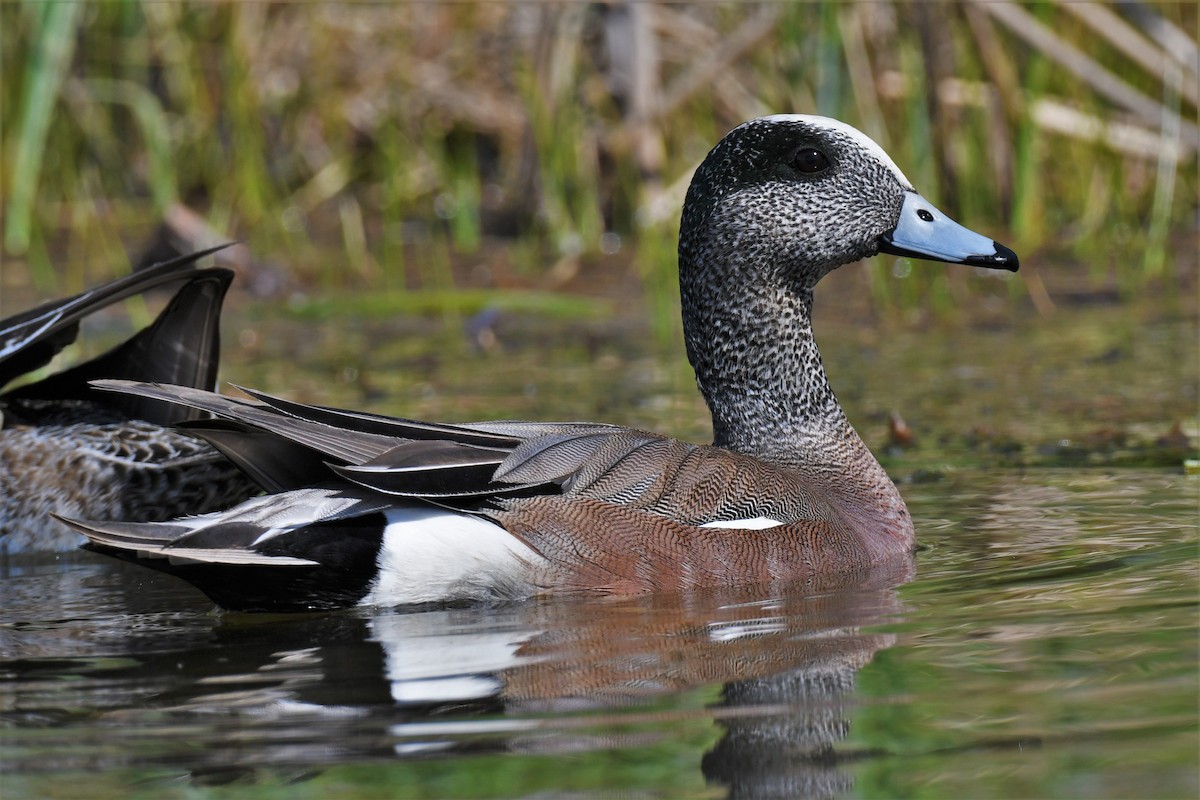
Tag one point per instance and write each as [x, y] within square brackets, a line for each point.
[865, 141]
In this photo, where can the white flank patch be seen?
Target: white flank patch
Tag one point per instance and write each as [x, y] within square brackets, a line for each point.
[432, 555]
[867, 142]
[752, 524]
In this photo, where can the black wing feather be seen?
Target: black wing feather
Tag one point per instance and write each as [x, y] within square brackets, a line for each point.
[182, 346]
[284, 445]
[386, 426]
[349, 446]
[30, 339]
[274, 464]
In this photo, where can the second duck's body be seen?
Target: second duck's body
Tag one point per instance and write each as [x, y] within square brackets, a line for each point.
[67, 449]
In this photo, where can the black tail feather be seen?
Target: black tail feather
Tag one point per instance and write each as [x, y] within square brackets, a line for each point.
[30, 339]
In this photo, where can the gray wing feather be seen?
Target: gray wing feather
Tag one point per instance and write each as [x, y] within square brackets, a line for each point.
[472, 465]
[552, 457]
[351, 447]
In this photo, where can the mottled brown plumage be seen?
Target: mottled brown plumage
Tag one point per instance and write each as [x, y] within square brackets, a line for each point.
[131, 470]
[69, 450]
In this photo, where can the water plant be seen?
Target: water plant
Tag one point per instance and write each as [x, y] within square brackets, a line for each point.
[370, 145]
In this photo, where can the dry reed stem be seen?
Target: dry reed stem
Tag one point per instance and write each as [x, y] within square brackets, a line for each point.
[1125, 38]
[704, 70]
[1026, 26]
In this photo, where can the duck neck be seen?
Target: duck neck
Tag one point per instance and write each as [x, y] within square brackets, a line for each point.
[759, 369]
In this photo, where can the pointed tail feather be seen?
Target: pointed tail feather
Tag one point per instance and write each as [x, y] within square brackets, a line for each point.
[30, 339]
[181, 346]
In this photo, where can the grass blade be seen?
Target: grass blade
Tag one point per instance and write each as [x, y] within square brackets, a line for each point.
[43, 79]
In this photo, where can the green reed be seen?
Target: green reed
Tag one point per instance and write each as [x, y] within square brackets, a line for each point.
[375, 146]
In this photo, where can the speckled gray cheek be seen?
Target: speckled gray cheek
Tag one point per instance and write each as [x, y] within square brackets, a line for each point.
[792, 229]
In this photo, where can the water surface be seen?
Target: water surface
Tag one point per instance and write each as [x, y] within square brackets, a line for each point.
[1046, 645]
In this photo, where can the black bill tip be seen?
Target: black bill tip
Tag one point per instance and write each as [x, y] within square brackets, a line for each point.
[1003, 258]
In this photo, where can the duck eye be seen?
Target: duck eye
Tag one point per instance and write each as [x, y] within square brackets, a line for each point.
[810, 161]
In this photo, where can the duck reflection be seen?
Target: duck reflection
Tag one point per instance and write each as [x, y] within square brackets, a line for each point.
[789, 753]
[787, 662]
[296, 693]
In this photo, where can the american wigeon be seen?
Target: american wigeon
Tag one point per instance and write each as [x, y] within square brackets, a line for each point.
[67, 449]
[365, 509]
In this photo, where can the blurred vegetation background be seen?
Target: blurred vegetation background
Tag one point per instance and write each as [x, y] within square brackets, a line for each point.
[433, 148]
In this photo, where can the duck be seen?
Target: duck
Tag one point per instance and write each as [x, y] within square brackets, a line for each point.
[363, 509]
[68, 449]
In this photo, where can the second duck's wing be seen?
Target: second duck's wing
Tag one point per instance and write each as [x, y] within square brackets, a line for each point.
[182, 346]
[30, 339]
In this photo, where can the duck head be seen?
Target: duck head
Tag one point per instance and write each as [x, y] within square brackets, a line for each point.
[788, 198]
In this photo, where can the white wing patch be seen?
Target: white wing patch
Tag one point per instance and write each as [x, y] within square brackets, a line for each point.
[752, 524]
[239, 558]
[865, 141]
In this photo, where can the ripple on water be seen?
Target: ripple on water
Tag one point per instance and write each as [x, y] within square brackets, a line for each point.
[1046, 647]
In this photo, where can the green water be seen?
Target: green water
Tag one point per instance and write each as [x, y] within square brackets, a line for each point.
[1045, 647]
